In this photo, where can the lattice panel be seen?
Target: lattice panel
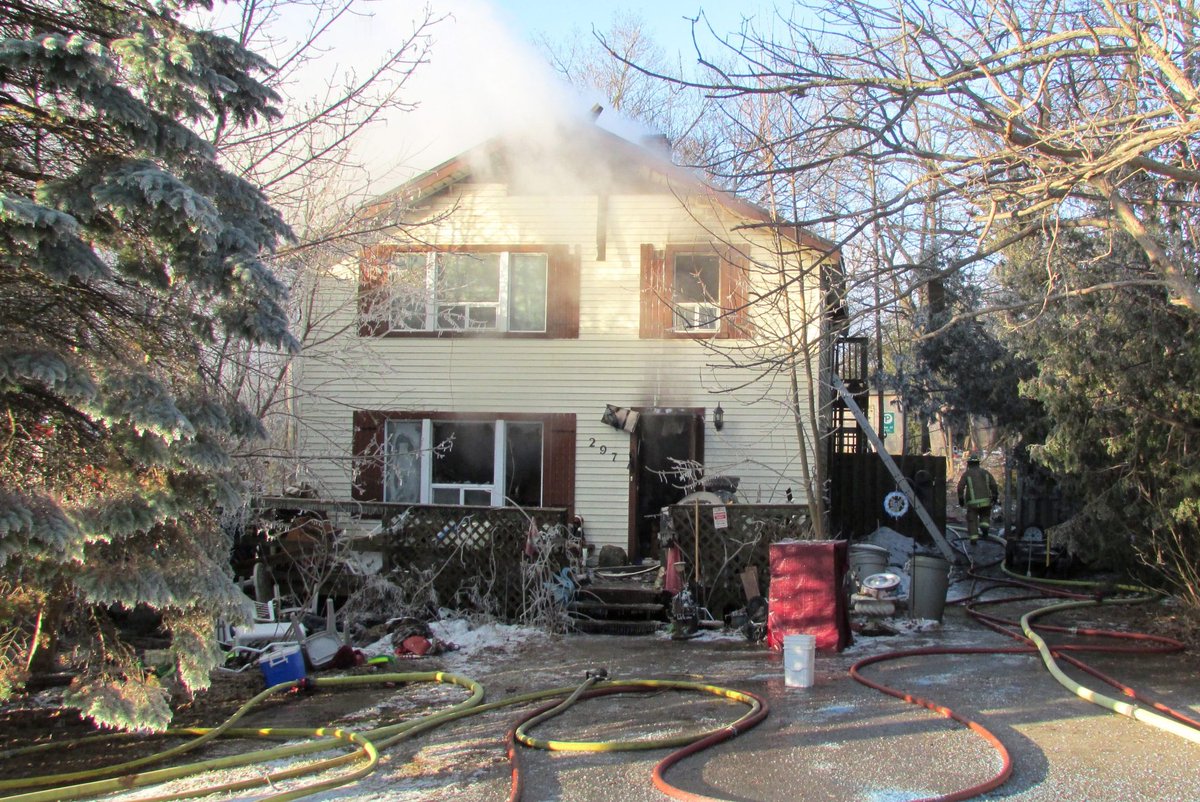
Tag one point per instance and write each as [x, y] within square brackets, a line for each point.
[474, 553]
[726, 553]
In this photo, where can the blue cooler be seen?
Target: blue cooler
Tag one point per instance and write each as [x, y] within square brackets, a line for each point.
[285, 664]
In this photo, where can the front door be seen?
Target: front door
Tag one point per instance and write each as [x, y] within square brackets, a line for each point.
[667, 458]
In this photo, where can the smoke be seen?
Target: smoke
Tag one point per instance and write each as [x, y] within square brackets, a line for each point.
[482, 77]
[482, 80]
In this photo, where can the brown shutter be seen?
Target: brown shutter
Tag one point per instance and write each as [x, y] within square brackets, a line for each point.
[735, 282]
[655, 309]
[562, 294]
[558, 462]
[372, 274]
[366, 474]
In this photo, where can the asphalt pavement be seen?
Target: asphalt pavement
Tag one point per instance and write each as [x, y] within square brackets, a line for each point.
[835, 740]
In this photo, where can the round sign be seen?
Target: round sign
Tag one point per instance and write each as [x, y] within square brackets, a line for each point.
[895, 504]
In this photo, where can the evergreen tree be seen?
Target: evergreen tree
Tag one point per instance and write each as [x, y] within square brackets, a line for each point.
[957, 368]
[127, 254]
[1118, 364]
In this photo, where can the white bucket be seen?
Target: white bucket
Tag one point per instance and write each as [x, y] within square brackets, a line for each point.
[799, 659]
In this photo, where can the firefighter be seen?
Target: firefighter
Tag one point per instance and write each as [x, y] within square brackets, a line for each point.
[977, 492]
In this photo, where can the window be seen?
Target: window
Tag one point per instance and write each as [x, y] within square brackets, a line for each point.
[690, 291]
[519, 292]
[454, 460]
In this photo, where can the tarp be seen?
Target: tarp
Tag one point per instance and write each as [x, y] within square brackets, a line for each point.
[807, 593]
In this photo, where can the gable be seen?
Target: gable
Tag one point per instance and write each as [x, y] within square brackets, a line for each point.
[579, 160]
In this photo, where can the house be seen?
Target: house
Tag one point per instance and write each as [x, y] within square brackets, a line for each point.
[567, 320]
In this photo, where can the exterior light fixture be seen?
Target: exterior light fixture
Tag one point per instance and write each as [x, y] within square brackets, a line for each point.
[718, 417]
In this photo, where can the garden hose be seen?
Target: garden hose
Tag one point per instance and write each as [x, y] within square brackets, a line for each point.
[1115, 705]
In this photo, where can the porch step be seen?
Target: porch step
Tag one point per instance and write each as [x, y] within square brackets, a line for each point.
[621, 593]
[621, 606]
[610, 610]
[600, 627]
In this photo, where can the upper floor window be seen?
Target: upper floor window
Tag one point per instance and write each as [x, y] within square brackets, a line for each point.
[520, 292]
[690, 291]
[462, 291]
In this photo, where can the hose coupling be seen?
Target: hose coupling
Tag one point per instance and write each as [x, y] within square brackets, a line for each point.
[305, 685]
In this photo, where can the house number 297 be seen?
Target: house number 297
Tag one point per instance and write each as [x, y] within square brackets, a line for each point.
[603, 448]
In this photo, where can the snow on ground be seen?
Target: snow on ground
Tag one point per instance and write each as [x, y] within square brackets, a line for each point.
[471, 640]
[466, 640]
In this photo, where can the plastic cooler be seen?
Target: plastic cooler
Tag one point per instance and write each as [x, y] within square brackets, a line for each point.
[285, 664]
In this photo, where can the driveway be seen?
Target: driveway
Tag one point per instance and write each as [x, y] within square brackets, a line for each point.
[837, 740]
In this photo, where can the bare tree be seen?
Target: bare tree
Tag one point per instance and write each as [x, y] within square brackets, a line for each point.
[1021, 117]
[604, 62]
[311, 164]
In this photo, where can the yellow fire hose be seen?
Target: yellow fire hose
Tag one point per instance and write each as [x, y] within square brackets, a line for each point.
[368, 744]
[556, 745]
[1141, 595]
[1088, 694]
[67, 786]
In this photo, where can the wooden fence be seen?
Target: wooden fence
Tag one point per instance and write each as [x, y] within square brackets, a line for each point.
[859, 482]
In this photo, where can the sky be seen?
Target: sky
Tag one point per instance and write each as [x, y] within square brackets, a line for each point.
[485, 74]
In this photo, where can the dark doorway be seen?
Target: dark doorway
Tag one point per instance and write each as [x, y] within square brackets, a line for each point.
[667, 445]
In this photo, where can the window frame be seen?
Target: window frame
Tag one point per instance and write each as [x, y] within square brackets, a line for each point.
[659, 310]
[672, 267]
[549, 424]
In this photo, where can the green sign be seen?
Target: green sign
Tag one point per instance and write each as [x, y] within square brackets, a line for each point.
[889, 423]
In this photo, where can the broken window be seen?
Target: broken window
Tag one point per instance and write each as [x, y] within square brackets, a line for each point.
[461, 462]
[464, 463]
[512, 458]
[696, 291]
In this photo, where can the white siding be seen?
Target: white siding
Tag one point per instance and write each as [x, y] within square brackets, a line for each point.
[608, 364]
